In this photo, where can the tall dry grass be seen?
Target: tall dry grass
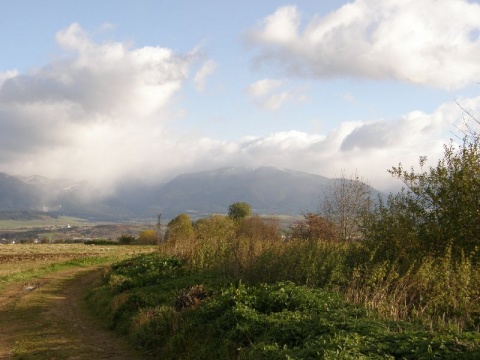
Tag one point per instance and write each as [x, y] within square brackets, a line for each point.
[440, 291]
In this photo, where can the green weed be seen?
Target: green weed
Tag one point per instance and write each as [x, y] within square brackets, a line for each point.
[280, 320]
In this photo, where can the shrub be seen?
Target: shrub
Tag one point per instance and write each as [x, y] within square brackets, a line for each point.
[441, 206]
[213, 236]
[179, 230]
[127, 239]
[148, 237]
[100, 242]
[314, 227]
[258, 228]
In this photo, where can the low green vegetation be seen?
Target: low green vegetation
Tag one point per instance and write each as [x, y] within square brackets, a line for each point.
[173, 312]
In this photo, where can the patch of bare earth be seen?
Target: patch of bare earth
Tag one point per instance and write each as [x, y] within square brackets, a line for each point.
[48, 319]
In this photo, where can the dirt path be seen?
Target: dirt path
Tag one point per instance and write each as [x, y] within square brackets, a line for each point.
[48, 319]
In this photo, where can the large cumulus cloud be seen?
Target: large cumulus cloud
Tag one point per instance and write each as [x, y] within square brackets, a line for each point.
[429, 42]
[93, 112]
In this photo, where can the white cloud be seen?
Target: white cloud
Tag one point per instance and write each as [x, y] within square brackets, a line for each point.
[200, 78]
[102, 113]
[347, 96]
[4, 76]
[263, 87]
[368, 147]
[269, 94]
[427, 42]
[282, 27]
[275, 101]
[94, 113]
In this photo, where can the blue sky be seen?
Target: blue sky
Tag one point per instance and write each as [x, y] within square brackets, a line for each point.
[113, 90]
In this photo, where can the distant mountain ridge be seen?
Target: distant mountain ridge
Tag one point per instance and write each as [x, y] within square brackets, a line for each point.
[268, 189]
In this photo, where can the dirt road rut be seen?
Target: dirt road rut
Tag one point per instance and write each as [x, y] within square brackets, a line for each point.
[48, 319]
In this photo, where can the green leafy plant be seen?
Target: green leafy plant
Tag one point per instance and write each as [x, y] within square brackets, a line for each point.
[178, 317]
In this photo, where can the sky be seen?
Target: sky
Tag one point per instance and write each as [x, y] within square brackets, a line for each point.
[111, 91]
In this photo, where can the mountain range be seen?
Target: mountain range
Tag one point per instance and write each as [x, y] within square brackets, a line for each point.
[268, 189]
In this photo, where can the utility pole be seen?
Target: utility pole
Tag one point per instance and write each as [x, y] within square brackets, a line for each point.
[159, 228]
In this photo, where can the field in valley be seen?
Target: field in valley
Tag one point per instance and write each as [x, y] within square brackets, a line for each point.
[65, 229]
[25, 261]
[59, 222]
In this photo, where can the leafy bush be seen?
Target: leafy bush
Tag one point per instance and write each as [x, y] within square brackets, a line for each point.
[179, 229]
[148, 237]
[440, 209]
[147, 269]
[136, 285]
[314, 227]
[207, 249]
[127, 239]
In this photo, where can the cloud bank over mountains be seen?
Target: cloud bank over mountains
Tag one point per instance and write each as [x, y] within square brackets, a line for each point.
[104, 112]
[420, 42]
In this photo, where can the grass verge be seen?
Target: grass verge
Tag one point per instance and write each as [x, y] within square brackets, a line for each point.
[175, 313]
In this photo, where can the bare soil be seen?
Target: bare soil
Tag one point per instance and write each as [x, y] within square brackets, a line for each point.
[49, 319]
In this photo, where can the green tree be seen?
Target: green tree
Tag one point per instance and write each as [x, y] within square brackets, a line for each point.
[239, 210]
[179, 228]
[216, 228]
[390, 231]
[439, 210]
[147, 237]
[126, 239]
[446, 198]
